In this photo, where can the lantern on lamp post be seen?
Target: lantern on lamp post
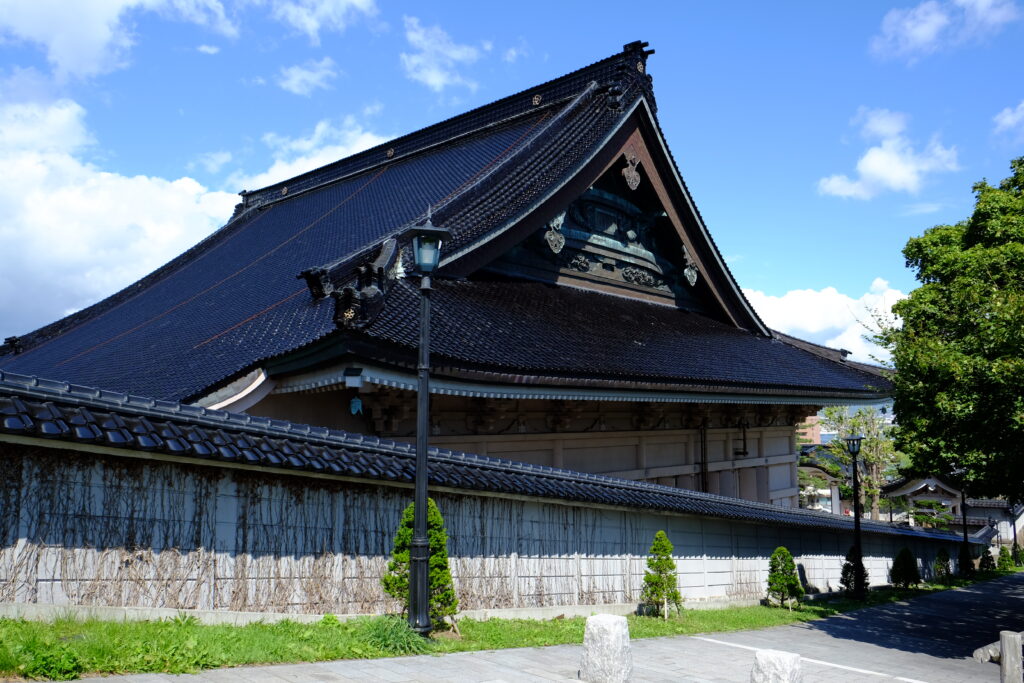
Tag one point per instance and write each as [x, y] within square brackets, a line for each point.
[426, 246]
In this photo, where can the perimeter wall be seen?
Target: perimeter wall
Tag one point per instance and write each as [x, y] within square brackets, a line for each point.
[94, 529]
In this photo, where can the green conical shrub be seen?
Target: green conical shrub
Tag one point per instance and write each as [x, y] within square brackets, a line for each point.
[783, 581]
[904, 572]
[850, 578]
[940, 567]
[988, 563]
[660, 590]
[1005, 560]
[395, 581]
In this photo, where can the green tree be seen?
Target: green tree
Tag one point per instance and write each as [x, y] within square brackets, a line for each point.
[878, 454]
[931, 513]
[783, 581]
[988, 563]
[854, 577]
[1005, 559]
[441, 590]
[660, 588]
[904, 572]
[940, 567]
[959, 350]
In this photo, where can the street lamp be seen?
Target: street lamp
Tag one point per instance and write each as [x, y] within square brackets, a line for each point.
[426, 247]
[853, 448]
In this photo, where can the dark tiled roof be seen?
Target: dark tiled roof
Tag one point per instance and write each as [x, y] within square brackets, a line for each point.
[532, 328]
[70, 414]
[233, 300]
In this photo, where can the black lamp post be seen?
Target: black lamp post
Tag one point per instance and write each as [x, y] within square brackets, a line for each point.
[426, 246]
[853, 448]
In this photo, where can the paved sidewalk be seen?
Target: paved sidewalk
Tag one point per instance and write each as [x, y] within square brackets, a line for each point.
[928, 639]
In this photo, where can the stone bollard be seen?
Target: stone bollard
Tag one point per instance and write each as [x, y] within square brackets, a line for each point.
[606, 654]
[775, 666]
[1009, 657]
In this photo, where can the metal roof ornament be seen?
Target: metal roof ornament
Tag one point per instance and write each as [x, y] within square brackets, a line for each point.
[537, 99]
[554, 236]
[690, 271]
[630, 173]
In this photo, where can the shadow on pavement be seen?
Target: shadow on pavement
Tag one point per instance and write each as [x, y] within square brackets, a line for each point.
[950, 624]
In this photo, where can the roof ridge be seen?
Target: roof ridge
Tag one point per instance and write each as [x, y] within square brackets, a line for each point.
[504, 110]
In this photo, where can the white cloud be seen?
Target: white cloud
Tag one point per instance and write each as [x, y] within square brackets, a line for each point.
[211, 162]
[829, 317]
[930, 26]
[303, 79]
[437, 58]
[78, 232]
[893, 164]
[313, 16]
[327, 143]
[1010, 119]
[95, 37]
[208, 49]
[373, 109]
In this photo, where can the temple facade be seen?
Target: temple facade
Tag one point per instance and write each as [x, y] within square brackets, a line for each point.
[233, 431]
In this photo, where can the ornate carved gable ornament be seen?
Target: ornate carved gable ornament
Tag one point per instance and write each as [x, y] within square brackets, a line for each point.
[630, 173]
[690, 271]
[554, 236]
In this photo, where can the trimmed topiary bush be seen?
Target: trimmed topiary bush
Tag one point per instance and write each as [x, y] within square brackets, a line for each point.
[854, 576]
[1005, 561]
[395, 581]
[660, 589]
[988, 563]
[904, 572]
[783, 582]
[941, 571]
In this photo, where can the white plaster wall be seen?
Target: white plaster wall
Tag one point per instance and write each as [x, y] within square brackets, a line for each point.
[86, 529]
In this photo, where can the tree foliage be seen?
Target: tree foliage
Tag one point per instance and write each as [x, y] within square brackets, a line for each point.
[904, 572]
[941, 570]
[988, 563]
[1005, 559]
[660, 589]
[395, 580]
[854, 577]
[783, 582]
[959, 352]
[878, 453]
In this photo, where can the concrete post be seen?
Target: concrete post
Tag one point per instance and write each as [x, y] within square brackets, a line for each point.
[606, 653]
[1010, 657]
[776, 666]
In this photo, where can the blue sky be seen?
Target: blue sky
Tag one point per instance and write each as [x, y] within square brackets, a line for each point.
[815, 137]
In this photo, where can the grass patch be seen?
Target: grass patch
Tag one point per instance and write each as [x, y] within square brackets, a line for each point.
[67, 648]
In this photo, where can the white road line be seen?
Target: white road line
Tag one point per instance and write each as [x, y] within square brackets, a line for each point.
[816, 661]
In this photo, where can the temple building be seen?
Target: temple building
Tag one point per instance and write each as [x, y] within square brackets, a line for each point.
[583, 317]
[232, 432]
